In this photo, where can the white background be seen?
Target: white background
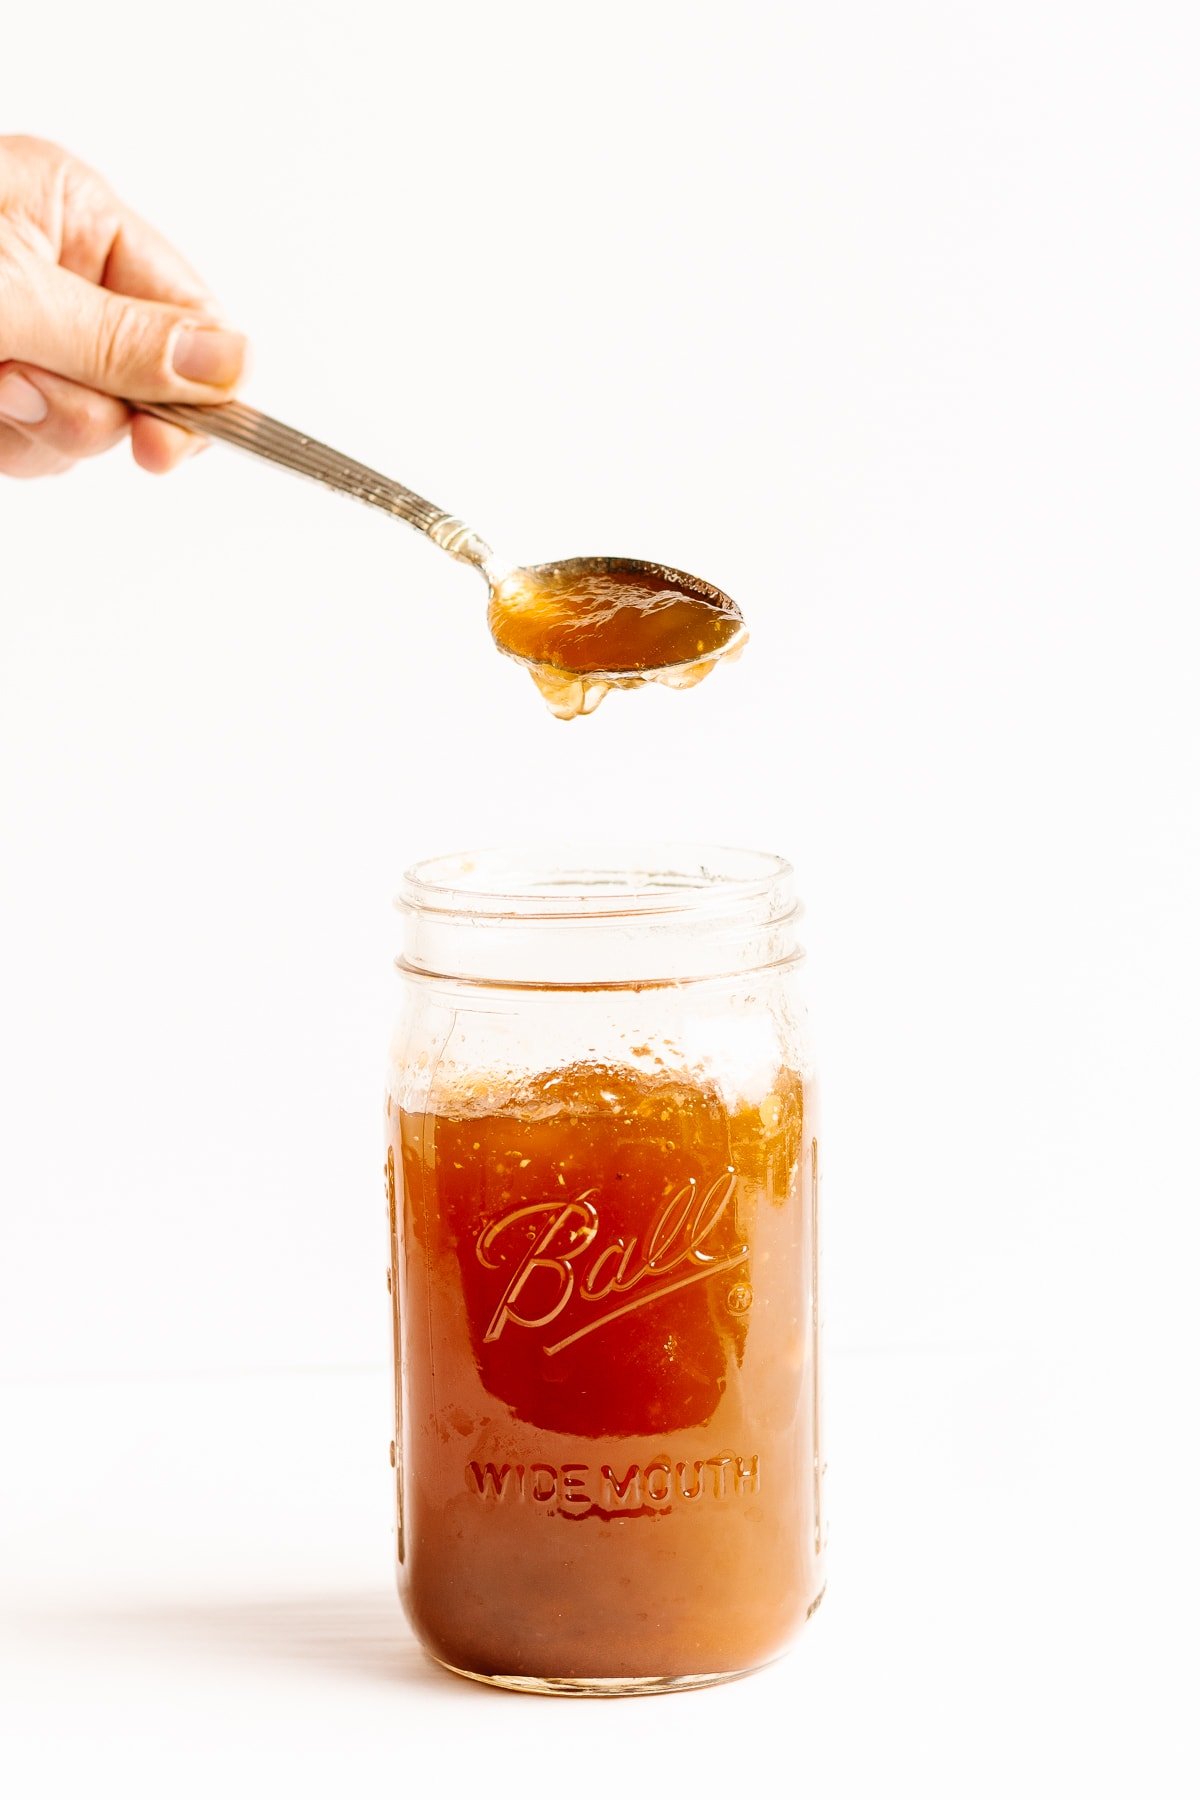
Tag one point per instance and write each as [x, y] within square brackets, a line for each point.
[882, 317]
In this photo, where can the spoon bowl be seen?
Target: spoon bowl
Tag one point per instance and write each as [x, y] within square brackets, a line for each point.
[592, 623]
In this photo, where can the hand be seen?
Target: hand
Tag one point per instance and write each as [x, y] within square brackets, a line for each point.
[95, 309]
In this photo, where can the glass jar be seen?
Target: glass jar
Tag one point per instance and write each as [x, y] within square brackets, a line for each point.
[602, 1197]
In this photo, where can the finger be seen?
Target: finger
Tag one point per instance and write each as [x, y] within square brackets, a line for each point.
[134, 349]
[107, 243]
[22, 457]
[64, 422]
[159, 447]
[61, 416]
[142, 263]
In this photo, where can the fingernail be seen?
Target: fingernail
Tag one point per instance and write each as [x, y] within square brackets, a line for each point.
[214, 357]
[20, 401]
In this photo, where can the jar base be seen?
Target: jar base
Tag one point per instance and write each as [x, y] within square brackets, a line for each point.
[600, 1687]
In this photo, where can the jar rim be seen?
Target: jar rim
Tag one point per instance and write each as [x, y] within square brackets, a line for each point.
[595, 883]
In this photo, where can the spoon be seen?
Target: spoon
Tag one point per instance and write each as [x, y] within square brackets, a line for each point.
[580, 627]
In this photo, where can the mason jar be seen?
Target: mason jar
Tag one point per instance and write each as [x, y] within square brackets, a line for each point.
[602, 1172]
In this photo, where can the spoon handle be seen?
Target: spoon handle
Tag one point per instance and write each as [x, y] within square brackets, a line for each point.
[275, 443]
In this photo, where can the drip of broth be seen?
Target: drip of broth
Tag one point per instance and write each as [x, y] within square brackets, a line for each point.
[595, 623]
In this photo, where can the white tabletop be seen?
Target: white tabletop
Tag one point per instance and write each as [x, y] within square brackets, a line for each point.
[195, 1593]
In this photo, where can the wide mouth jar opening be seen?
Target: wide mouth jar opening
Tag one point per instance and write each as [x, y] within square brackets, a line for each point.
[614, 916]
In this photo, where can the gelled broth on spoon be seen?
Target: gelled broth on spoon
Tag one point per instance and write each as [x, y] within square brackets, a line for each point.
[594, 623]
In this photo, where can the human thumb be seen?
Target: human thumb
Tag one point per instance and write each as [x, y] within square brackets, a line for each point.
[133, 349]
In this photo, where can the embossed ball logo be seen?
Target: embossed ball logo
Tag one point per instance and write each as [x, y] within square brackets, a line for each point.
[553, 1251]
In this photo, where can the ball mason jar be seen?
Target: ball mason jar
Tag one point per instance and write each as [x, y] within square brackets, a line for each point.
[602, 1173]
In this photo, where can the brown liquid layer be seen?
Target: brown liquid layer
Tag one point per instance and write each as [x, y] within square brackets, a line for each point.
[596, 623]
[606, 1314]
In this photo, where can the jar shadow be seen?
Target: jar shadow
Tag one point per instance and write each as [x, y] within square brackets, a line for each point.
[361, 1636]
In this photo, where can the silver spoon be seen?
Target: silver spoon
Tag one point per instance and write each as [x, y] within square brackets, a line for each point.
[567, 599]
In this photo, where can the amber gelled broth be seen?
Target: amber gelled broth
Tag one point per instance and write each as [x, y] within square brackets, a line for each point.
[587, 626]
[607, 1269]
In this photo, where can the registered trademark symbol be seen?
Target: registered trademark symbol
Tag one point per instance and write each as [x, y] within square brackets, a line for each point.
[740, 1297]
